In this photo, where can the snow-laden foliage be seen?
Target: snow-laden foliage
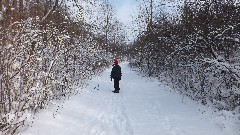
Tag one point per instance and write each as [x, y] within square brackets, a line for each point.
[196, 51]
[44, 56]
[35, 72]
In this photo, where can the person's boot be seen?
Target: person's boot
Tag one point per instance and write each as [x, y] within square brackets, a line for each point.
[115, 91]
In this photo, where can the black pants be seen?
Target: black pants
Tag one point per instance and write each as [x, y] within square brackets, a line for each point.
[116, 84]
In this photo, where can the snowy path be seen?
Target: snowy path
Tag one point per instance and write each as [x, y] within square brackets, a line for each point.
[141, 108]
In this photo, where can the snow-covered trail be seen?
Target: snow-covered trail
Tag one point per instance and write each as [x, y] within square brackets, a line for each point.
[142, 107]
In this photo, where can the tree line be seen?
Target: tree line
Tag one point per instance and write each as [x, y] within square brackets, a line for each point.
[196, 50]
[47, 50]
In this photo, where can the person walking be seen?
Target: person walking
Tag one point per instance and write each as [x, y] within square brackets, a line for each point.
[116, 74]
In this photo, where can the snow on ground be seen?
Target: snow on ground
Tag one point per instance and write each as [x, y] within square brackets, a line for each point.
[142, 107]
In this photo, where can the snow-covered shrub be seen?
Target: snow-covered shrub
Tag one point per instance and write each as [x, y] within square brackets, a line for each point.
[197, 53]
[40, 65]
[47, 50]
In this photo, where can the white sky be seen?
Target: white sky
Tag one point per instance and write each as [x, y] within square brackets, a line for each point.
[125, 10]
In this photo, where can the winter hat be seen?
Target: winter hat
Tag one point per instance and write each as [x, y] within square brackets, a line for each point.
[115, 62]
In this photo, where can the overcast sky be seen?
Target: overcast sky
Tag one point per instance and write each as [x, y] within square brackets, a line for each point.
[126, 11]
[125, 8]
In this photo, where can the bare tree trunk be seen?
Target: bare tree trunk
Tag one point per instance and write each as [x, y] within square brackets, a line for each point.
[56, 4]
[7, 16]
[15, 11]
[7, 88]
[0, 5]
[45, 21]
[21, 10]
[106, 34]
[1, 83]
[151, 14]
